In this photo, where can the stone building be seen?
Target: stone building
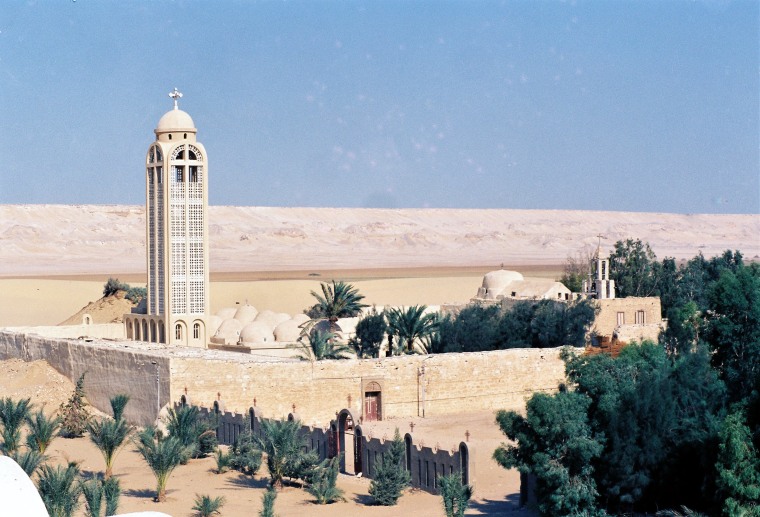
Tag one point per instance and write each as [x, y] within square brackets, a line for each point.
[503, 285]
[176, 226]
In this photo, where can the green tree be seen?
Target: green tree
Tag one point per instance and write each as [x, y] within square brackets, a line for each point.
[74, 414]
[370, 332]
[324, 479]
[733, 329]
[29, 460]
[267, 503]
[390, 478]
[162, 455]
[475, 328]
[412, 329]
[42, 430]
[320, 345]
[59, 489]
[555, 443]
[244, 455]
[206, 506]
[13, 415]
[634, 268]
[738, 468]
[118, 403]
[92, 490]
[109, 436]
[282, 442]
[113, 286]
[339, 300]
[112, 494]
[195, 432]
[515, 326]
[455, 494]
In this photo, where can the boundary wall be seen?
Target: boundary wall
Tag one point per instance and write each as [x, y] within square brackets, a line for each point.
[154, 376]
[424, 464]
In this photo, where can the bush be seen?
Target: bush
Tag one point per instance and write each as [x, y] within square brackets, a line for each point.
[456, 495]
[244, 455]
[113, 286]
[206, 506]
[323, 482]
[267, 503]
[391, 478]
[74, 414]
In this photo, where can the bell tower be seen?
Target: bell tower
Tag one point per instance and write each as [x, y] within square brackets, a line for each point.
[176, 191]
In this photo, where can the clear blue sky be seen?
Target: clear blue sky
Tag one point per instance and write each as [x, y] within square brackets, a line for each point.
[609, 105]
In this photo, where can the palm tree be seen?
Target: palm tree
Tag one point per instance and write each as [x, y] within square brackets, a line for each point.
[28, 460]
[59, 490]
[118, 403]
[324, 482]
[93, 496]
[193, 430]
[322, 344]
[412, 328]
[41, 430]
[162, 455]
[206, 506]
[339, 300]
[456, 495]
[12, 416]
[112, 493]
[281, 440]
[109, 436]
[267, 503]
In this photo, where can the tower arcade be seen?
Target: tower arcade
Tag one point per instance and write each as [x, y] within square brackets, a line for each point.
[176, 227]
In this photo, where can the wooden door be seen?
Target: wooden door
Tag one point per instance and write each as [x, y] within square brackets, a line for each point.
[372, 406]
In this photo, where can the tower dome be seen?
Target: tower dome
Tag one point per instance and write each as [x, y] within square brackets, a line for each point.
[175, 120]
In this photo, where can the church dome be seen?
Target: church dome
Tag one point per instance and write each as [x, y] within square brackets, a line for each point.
[256, 332]
[175, 120]
[287, 331]
[246, 313]
[495, 282]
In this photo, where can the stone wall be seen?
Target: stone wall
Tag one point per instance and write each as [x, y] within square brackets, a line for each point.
[607, 319]
[110, 370]
[91, 331]
[410, 385]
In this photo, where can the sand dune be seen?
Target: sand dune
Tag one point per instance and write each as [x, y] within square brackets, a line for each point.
[87, 239]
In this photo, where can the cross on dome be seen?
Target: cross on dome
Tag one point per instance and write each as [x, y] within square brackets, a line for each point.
[176, 95]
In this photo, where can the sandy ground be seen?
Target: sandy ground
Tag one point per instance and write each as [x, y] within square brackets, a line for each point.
[496, 490]
[51, 300]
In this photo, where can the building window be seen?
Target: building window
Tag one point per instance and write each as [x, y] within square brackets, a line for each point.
[621, 318]
[197, 331]
[178, 331]
[640, 318]
[180, 174]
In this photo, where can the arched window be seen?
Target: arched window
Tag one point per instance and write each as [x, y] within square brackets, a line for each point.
[197, 331]
[178, 331]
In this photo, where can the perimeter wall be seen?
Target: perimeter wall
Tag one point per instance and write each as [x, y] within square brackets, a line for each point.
[407, 386]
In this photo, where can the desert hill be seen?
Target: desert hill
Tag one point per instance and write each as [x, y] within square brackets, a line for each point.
[105, 239]
[108, 309]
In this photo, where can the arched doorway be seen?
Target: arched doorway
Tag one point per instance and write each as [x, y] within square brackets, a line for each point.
[358, 450]
[144, 336]
[408, 447]
[464, 463]
[346, 442]
[183, 401]
[153, 332]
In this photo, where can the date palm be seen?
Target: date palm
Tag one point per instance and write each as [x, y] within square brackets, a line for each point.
[29, 460]
[338, 300]
[59, 489]
[321, 344]
[42, 430]
[162, 455]
[207, 506]
[13, 414]
[118, 403]
[109, 436]
[281, 440]
[412, 328]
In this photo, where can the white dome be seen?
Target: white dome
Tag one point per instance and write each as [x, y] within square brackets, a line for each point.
[246, 313]
[287, 331]
[496, 281]
[226, 313]
[268, 317]
[175, 120]
[300, 318]
[256, 332]
[229, 329]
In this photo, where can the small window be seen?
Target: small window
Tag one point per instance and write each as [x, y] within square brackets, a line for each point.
[640, 318]
[185, 136]
[191, 156]
[180, 174]
[178, 331]
[514, 294]
[170, 137]
[197, 331]
[621, 318]
[559, 296]
[193, 174]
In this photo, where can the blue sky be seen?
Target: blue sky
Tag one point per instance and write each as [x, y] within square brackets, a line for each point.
[605, 105]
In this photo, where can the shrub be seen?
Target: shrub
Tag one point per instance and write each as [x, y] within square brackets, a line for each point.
[323, 482]
[267, 503]
[59, 489]
[244, 455]
[12, 417]
[41, 430]
[196, 432]
[113, 286]
[206, 506]
[74, 414]
[390, 478]
[162, 455]
[136, 294]
[456, 495]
